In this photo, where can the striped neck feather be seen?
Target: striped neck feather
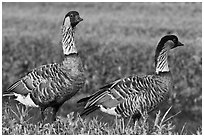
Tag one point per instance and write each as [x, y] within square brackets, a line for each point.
[161, 61]
[68, 43]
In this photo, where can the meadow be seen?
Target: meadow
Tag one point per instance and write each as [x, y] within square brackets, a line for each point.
[114, 40]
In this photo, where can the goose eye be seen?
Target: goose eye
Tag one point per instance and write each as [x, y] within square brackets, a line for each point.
[174, 40]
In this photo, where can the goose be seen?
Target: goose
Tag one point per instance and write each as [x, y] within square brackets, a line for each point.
[135, 96]
[52, 84]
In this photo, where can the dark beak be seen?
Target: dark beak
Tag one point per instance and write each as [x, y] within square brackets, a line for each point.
[180, 44]
[78, 19]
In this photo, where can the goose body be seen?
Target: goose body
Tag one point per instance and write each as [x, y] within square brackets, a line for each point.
[53, 84]
[135, 95]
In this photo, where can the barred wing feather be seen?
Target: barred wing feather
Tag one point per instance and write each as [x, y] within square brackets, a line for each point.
[44, 83]
[128, 95]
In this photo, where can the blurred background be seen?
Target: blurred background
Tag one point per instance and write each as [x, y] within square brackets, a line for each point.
[114, 40]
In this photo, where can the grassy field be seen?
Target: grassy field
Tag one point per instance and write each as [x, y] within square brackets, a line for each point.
[114, 40]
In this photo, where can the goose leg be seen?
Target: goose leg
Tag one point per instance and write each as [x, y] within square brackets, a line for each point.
[136, 117]
[128, 123]
[55, 109]
[42, 114]
[145, 116]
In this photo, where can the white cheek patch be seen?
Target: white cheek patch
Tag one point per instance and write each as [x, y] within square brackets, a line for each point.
[25, 100]
[110, 111]
[67, 21]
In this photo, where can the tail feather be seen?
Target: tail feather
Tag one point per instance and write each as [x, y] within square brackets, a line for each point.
[84, 100]
[91, 102]
[89, 110]
[22, 86]
[96, 98]
[8, 94]
[13, 86]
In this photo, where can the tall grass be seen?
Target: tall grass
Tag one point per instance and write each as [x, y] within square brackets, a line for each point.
[75, 125]
[114, 40]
